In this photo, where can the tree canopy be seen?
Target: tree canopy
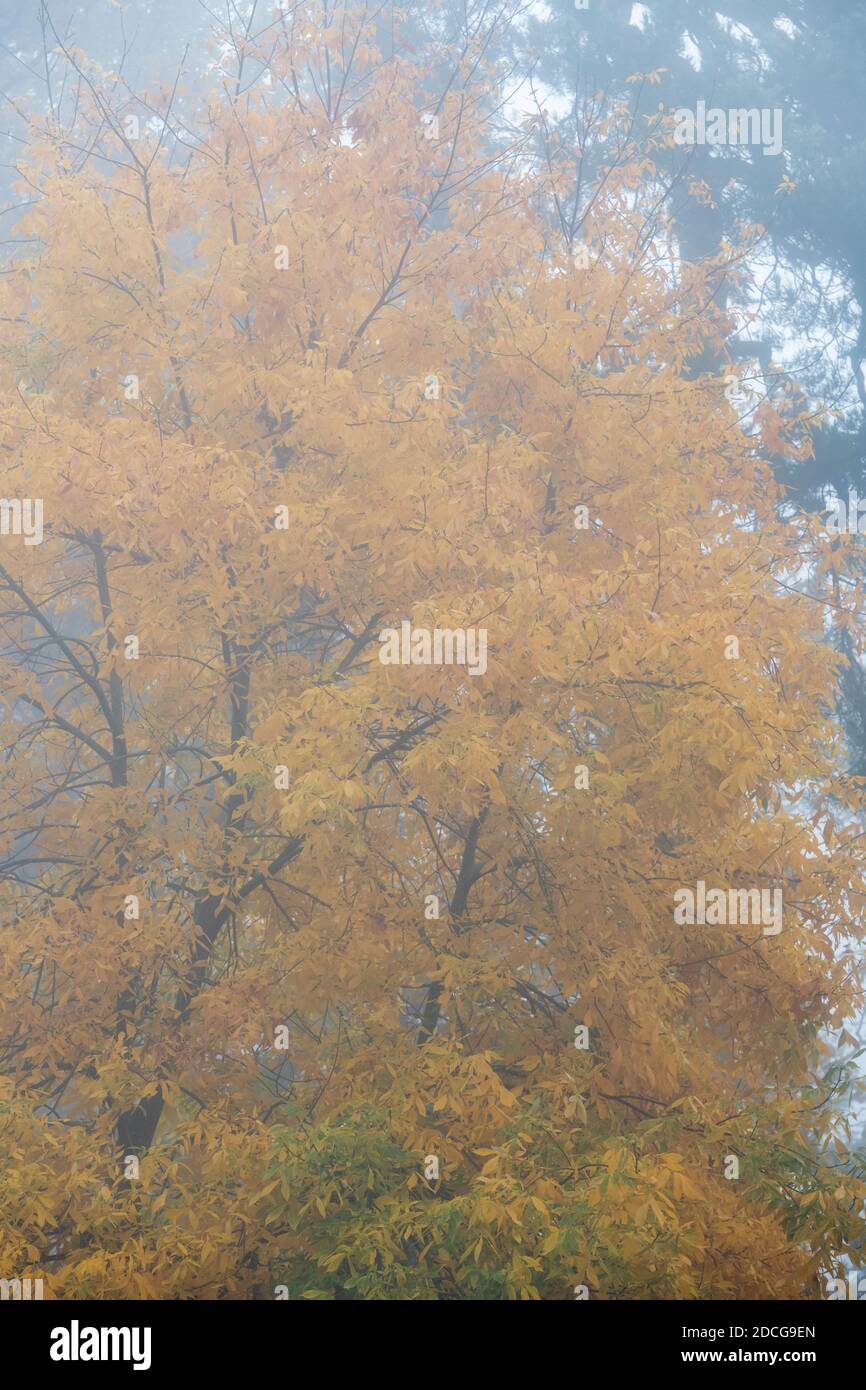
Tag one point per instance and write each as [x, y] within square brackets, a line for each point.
[359, 979]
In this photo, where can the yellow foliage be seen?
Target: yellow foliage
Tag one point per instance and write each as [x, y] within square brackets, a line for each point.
[303, 380]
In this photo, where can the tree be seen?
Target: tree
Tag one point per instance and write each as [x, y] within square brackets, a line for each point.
[357, 977]
[804, 58]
